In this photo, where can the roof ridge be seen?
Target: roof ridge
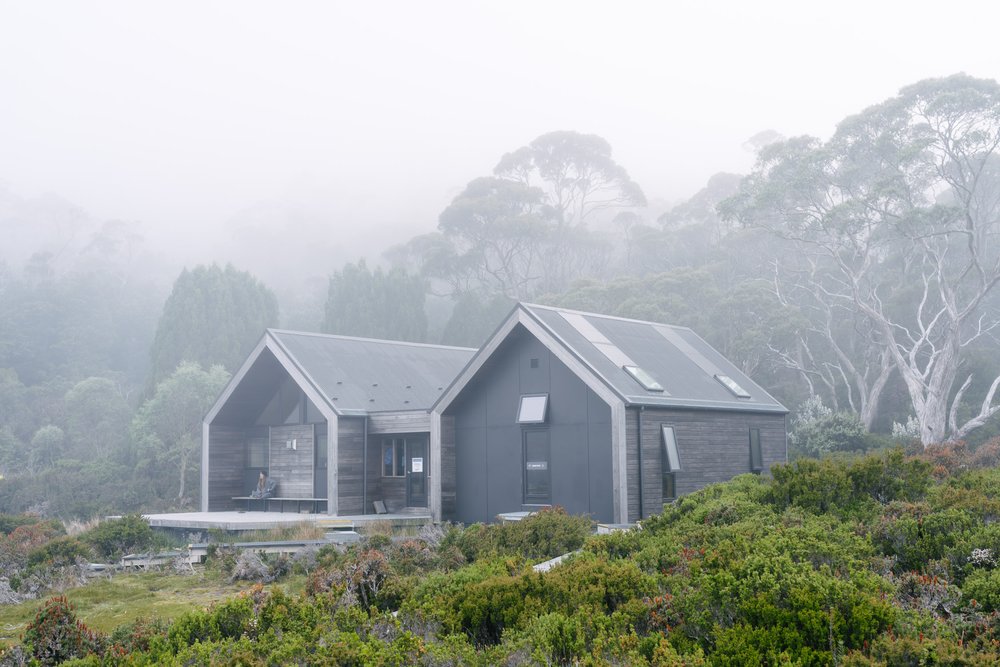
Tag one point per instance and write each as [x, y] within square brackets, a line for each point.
[371, 340]
[559, 309]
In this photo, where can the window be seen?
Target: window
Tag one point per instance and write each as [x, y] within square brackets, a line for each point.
[756, 458]
[393, 457]
[532, 409]
[670, 463]
[257, 451]
[643, 378]
[321, 449]
[730, 384]
[537, 489]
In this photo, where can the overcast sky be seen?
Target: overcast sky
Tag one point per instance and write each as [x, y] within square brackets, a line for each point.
[374, 114]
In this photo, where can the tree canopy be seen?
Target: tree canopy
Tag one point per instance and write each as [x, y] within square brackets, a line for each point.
[376, 304]
[213, 316]
[894, 220]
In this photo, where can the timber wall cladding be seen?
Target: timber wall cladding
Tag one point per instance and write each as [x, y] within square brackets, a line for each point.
[713, 446]
[292, 468]
[225, 467]
[350, 465]
[399, 422]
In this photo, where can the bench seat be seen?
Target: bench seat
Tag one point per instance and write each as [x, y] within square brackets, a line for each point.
[265, 502]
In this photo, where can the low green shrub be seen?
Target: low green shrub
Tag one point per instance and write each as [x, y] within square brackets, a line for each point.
[115, 538]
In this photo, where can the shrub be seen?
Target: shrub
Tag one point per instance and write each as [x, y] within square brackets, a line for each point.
[830, 433]
[117, 537]
[548, 533]
[55, 635]
[60, 552]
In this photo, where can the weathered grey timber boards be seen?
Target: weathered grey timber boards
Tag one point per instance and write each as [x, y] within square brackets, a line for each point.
[225, 466]
[292, 467]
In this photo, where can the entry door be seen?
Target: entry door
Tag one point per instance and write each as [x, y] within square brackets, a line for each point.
[416, 472]
[537, 486]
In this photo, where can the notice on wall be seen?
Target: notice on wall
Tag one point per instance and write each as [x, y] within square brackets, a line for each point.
[416, 465]
[537, 465]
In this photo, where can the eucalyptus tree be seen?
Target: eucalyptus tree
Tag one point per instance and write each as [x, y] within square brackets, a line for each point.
[577, 174]
[896, 219]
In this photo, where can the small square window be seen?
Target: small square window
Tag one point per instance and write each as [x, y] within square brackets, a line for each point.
[532, 409]
[533, 362]
[756, 457]
[671, 461]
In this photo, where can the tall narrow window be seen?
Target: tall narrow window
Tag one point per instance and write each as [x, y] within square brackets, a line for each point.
[257, 449]
[756, 458]
[537, 486]
[393, 457]
[670, 463]
[321, 449]
[532, 409]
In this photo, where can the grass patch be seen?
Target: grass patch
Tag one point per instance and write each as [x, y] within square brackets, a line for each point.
[107, 603]
[306, 530]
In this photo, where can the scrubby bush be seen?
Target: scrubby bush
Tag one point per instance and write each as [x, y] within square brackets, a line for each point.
[55, 635]
[828, 434]
[115, 538]
[60, 552]
[548, 533]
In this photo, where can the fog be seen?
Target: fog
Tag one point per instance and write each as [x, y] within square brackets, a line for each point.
[226, 129]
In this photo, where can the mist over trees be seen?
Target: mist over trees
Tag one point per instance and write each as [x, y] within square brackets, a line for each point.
[854, 278]
[892, 224]
[213, 316]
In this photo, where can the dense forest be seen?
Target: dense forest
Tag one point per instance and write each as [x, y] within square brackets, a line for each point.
[853, 277]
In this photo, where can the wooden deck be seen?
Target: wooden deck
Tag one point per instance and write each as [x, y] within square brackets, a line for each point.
[236, 521]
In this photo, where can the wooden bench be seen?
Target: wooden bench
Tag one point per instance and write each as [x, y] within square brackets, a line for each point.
[281, 502]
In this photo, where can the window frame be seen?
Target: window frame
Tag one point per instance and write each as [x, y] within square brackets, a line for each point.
[261, 439]
[644, 378]
[733, 386]
[757, 465]
[521, 409]
[666, 445]
[398, 459]
[668, 468]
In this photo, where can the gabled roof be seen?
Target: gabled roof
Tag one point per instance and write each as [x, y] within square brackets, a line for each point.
[351, 376]
[680, 361]
[362, 375]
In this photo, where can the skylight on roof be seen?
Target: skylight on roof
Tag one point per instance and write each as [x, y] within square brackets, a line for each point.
[731, 384]
[642, 377]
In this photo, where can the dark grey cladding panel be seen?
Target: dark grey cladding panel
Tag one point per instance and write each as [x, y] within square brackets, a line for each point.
[488, 439]
[360, 375]
[679, 366]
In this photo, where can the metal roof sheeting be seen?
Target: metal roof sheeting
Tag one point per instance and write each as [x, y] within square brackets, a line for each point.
[363, 375]
[676, 357]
